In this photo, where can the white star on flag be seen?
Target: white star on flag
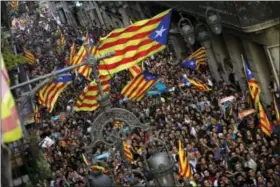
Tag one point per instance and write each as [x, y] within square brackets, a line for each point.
[159, 32]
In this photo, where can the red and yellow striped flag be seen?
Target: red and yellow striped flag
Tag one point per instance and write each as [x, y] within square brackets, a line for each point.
[196, 59]
[134, 71]
[185, 169]
[37, 114]
[277, 109]
[72, 54]
[62, 43]
[79, 58]
[88, 99]
[49, 94]
[134, 43]
[29, 57]
[137, 88]
[194, 84]
[264, 122]
[254, 88]
[100, 168]
[127, 152]
[11, 129]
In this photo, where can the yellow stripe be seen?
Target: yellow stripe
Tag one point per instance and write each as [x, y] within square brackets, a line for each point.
[140, 96]
[13, 135]
[138, 89]
[129, 53]
[128, 65]
[138, 23]
[52, 104]
[129, 35]
[128, 91]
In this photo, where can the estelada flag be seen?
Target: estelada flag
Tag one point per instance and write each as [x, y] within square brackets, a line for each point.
[134, 43]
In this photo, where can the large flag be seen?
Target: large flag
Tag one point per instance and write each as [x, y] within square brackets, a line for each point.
[29, 57]
[37, 115]
[137, 88]
[195, 84]
[277, 109]
[49, 94]
[254, 88]
[88, 99]
[264, 122]
[185, 169]
[134, 43]
[11, 129]
[134, 71]
[196, 59]
[61, 44]
[127, 152]
[72, 54]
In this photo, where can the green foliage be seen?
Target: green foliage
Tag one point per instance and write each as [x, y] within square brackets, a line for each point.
[11, 60]
[39, 168]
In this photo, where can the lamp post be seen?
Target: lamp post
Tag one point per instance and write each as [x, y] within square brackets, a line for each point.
[160, 164]
[202, 34]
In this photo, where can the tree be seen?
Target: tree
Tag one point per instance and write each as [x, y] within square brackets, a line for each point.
[11, 60]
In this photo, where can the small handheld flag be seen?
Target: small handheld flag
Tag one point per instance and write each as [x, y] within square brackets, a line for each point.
[184, 165]
[195, 60]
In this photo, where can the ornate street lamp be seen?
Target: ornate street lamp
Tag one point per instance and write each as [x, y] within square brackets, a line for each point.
[160, 164]
[187, 30]
[213, 19]
[203, 34]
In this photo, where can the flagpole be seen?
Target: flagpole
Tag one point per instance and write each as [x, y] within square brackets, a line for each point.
[60, 71]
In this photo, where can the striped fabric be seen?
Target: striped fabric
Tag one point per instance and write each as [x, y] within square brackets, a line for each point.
[277, 109]
[49, 94]
[11, 129]
[196, 59]
[37, 114]
[264, 122]
[194, 84]
[184, 165]
[100, 169]
[88, 99]
[254, 88]
[127, 152]
[29, 57]
[134, 71]
[73, 52]
[62, 43]
[137, 88]
[79, 58]
[134, 43]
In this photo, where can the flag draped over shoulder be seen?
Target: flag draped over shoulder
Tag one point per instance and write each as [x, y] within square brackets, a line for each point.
[11, 129]
[195, 60]
[134, 71]
[276, 108]
[37, 115]
[264, 122]
[134, 43]
[137, 88]
[88, 99]
[29, 57]
[184, 165]
[127, 152]
[254, 88]
[195, 84]
[49, 94]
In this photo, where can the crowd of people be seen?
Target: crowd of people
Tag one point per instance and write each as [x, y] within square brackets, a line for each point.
[222, 149]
